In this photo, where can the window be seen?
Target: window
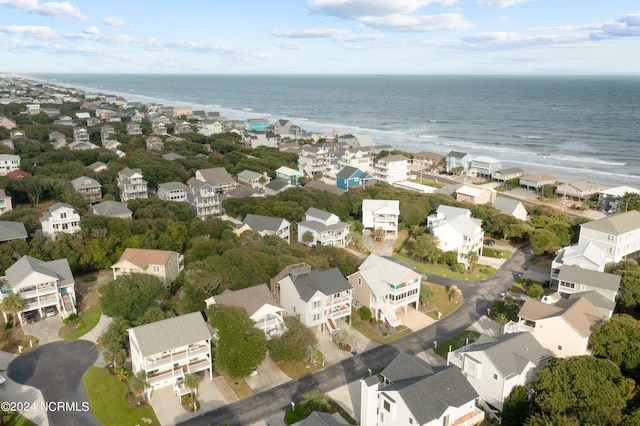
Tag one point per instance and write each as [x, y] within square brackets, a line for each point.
[410, 421]
[386, 405]
[316, 317]
[360, 281]
[156, 268]
[317, 303]
[63, 215]
[495, 377]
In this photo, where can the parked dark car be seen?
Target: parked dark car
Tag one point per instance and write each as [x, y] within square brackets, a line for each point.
[31, 317]
[489, 242]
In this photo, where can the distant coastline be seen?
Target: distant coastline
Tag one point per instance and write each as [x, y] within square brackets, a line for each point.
[592, 137]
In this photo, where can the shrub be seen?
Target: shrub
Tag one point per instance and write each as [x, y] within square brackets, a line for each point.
[72, 319]
[89, 279]
[365, 313]
[458, 268]
[534, 291]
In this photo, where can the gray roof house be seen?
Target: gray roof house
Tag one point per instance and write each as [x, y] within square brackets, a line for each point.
[573, 279]
[89, 188]
[618, 235]
[112, 209]
[12, 231]
[265, 225]
[326, 228]
[511, 207]
[317, 298]
[167, 350]
[411, 391]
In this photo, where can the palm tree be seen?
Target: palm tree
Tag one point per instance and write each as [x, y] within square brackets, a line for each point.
[192, 381]
[341, 337]
[453, 292]
[138, 381]
[426, 295]
[472, 258]
[12, 303]
[114, 353]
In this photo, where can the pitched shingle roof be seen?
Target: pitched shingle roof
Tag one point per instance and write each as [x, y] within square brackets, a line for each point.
[145, 257]
[579, 312]
[111, 209]
[261, 223]
[12, 231]
[617, 224]
[327, 282]
[250, 299]
[57, 269]
[603, 280]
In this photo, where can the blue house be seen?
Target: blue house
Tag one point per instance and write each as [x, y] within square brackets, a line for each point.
[256, 124]
[350, 177]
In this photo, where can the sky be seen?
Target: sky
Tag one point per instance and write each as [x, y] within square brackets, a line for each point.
[586, 37]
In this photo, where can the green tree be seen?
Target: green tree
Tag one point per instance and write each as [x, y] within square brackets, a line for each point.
[425, 247]
[192, 381]
[590, 389]
[138, 381]
[130, 296]
[427, 294]
[543, 241]
[365, 313]
[629, 284]
[472, 258]
[630, 201]
[341, 337]
[516, 407]
[534, 290]
[308, 238]
[114, 354]
[315, 400]
[618, 339]
[12, 303]
[292, 345]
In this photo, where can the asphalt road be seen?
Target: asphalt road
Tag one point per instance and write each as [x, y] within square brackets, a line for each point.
[56, 369]
[478, 296]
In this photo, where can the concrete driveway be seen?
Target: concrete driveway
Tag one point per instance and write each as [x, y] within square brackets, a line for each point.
[414, 320]
[269, 376]
[56, 370]
[46, 330]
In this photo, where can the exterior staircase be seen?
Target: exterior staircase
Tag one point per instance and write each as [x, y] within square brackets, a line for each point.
[331, 325]
[389, 315]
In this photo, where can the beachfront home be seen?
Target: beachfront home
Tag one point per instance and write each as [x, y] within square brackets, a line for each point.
[9, 163]
[484, 167]
[457, 162]
[253, 179]
[169, 349]
[265, 225]
[507, 174]
[381, 214]
[131, 184]
[385, 286]
[427, 160]
[325, 228]
[259, 304]
[563, 328]
[618, 235]
[41, 285]
[287, 129]
[609, 199]
[6, 204]
[511, 207]
[361, 158]
[475, 194]
[255, 140]
[352, 177]
[162, 264]
[392, 168]
[173, 191]
[89, 188]
[60, 218]
[493, 366]
[112, 209]
[410, 391]
[317, 298]
[537, 181]
[256, 124]
[457, 231]
[581, 190]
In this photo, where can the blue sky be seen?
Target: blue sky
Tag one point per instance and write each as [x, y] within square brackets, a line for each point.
[321, 36]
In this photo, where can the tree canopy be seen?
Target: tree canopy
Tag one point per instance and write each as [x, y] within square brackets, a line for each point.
[618, 340]
[130, 296]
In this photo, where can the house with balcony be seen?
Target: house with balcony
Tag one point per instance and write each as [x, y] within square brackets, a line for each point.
[173, 191]
[41, 285]
[618, 235]
[259, 304]
[457, 162]
[6, 204]
[563, 328]
[154, 143]
[483, 167]
[169, 349]
[218, 178]
[257, 139]
[537, 181]
[60, 218]
[256, 124]
[509, 173]
[427, 160]
[253, 179]
[360, 158]
[134, 129]
[162, 264]
[132, 185]
[581, 190]
[316, 298]
[573, 279]
[609, 199]
[475, 194]
[313, 160]
[80, 134]
[203, 198]
[385, 287]
[457, 231]
[112, 209]
[391, 169]
[9, 163]
[494, 365]
[410, 391]
[265, 225]
[327, 228]
[289, 175]
[352, 178]
[287, 129]
[89, 188]
[381, 214]
[585, 256]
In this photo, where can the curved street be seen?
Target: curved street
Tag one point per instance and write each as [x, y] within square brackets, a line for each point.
[478, 296]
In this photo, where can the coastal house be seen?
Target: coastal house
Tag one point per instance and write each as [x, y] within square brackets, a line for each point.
[276, 186]
[134, 129]
[60, 218]
[41, 285]
[154, 143]
[537, 181]
[57, 139]
[507, 174]
[511, 207]
[89, 188]
[173, 191]
[360, 158]
[97, 167]
[289, 175]
[181, 127]
[9, 163]
[357, 141]
[385, 286]
[210, 127]
[258, 139]
[476, 194]
[563, 328]
[493, 366]
[18, 174]
[81, 134]
[618, 235]
[203, 198]
[427, 160]
[265, 225]
[162, 264]
[352, 177]
[457, 231]
[259, 304]
[242, 191]
[457, 162]
[169, 349]
[409, 391]
[317, 298]
[381, 214]
[326, 229]
[172, 156]
[131, 184]
[253, 179]
[106, 133]
[17, 134]
[609, 199]
[5, 202]
[484, 167]
[82, 146]
[581, 190]
[112, 209]
[10, 231]
[573, 279]
[256, 124]
[322, 186]
[391, 169]
[585, 256]
[218, 178]
[287, 129]
[7, 123]
[314, 160]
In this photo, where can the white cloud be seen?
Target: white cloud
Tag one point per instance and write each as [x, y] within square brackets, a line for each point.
[418, 23]
[114, 21]
[291, 45]
[54, 8]
[92, 30]
[32, 30]
[500, 3]
[328, 33]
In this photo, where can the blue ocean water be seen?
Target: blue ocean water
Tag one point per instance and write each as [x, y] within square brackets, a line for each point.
[581, 126]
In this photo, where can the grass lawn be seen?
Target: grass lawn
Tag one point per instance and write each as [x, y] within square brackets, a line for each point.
[403, 236]
[457, 341]
[442, 302]
[18, 419]
[296, 370]
[90, 319]
[239, 386]
[497, 253]
[107, 399]
[443, 270]
[368, 331]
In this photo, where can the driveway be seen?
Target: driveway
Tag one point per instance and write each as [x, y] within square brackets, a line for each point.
[384, 248]
[269, 375]
[46, 330]
[56, 370]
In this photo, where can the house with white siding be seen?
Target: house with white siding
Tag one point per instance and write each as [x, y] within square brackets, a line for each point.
[457, 231]
[381, 214]
[618, 235]
[326, 228]
[391, 169]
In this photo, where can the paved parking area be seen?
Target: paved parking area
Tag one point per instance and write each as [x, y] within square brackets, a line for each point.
[46, 330]
[269, 376]
[414, 320]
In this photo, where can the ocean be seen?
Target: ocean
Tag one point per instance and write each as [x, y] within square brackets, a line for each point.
[569, 126]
